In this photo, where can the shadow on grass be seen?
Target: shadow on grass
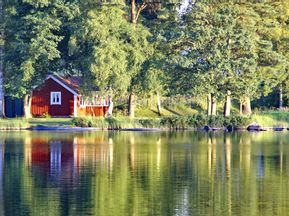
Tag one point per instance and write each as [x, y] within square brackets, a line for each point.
[51, 122]
[172, 111]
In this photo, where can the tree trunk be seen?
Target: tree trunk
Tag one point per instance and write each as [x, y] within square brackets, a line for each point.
[133, 12]
[247, 106]
[27, 106]
[280, 97]
[214, 105]
[1, 63]
[110, 109]
[159, 105]
[227, 105]
[241, 108]
[209, 104]
[131, 105]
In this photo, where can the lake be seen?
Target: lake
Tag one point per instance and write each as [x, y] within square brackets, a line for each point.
[144, 173]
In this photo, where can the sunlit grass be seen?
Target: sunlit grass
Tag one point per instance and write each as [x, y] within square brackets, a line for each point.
[174, 110]
[50, 121]
[13, 124]
[23, 123]
[147, 117]
[272, 118]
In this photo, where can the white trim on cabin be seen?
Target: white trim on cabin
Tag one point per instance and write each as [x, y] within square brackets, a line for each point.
[75, 106]
[62, 84]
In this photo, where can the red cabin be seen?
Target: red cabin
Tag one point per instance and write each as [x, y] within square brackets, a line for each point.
[59, 96]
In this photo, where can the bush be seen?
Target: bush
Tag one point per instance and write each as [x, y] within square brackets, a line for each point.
[237, 121]
[173, 122]
[216, 121]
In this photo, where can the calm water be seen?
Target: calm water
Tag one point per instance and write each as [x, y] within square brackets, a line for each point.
[133, 173]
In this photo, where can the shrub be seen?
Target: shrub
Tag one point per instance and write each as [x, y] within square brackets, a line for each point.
[172, 122]
[216, 121]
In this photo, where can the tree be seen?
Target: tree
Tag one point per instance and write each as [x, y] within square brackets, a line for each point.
[114, 45]
[217, 51]
[1, 60]
[278, 33]
[33, 35]
[268, 22]
[136, 8]
[111, 51]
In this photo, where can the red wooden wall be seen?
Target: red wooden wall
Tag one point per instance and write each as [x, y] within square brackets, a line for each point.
[41, 100]
[92, 111]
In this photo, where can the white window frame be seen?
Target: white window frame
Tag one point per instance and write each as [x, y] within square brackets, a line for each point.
[52, 96]
[82, 101]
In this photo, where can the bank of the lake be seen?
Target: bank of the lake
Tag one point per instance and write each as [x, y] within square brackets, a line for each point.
[266, 120]
[25, 124]
[196, 121]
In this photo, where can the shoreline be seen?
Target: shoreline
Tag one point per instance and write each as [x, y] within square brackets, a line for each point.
[196, 122]
[138, 129]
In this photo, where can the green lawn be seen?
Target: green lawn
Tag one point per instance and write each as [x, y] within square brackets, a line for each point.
[22, 123]
[50, 121]
[178, 110]
[272, 118]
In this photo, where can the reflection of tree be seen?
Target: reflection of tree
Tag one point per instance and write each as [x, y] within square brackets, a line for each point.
[169, 173]
[2, 150]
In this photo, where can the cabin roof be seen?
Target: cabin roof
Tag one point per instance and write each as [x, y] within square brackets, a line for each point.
[72, 84]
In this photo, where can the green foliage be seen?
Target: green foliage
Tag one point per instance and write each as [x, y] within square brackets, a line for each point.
[33, 34]
[219, 52]
[112, 49]
[272, 118]
[173, 122]
[46, 115]
[209, 47]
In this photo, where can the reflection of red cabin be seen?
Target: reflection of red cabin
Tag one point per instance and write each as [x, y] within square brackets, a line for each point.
[60, 96]
[53, 156]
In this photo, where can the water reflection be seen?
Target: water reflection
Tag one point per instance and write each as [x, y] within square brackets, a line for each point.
[126, 173]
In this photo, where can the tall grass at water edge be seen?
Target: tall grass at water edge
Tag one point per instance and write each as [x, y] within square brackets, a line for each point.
[13, 124]
[272, 118]
[173, 122]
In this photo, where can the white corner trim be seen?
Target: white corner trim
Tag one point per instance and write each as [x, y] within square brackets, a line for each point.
[62, 84]
[75, 106]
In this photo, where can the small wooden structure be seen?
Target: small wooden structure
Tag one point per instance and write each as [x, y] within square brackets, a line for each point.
[13, 107]
[60, 96]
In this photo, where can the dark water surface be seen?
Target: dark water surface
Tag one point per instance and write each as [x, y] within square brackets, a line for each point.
[144, 173]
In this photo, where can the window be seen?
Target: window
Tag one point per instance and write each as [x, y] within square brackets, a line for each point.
[55, 98]
[82, 101]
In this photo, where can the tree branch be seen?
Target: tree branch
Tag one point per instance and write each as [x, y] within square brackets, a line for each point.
[140, 9]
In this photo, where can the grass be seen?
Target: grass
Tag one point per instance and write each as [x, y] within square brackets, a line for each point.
[272, 118]
[13, 124]
[176, 110]
[22, 123]
[173, 122]
[50, 121]
[174, 117]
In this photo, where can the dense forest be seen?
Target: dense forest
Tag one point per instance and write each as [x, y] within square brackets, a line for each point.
[215, 50]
